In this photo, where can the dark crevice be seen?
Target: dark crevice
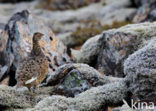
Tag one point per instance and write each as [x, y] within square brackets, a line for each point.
[12, 80]
[13, 1]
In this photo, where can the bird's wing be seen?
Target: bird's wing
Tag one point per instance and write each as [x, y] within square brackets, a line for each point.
[31, 80]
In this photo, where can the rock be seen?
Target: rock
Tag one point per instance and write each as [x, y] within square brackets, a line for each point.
[105, 15]
[17, 42]
[116, 10]
[90, 29]
[145, 12]
[65, 4]
[11, 98]
[4, 61]
[119, 44]
[72, 79]
[93, 99]
[89, 51]
[140, 70]
[111, 48]
[20, 41]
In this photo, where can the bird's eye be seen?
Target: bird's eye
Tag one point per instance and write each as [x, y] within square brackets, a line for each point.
[50, 38]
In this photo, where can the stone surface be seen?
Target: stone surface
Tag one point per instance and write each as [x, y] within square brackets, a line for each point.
[21, 28]
[11, 98]
[145, 12]
[111, 48]
[93, 99]
[72, 79]
[140, 71]
[89, 51]
[4, 61]
[63, 27]
[65, 4]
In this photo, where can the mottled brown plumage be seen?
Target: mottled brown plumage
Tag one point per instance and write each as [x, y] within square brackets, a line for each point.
[32, 70]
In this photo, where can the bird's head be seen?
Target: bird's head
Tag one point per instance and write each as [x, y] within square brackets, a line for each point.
[37, 36]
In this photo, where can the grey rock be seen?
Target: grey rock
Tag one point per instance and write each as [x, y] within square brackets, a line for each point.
[4, 61]
[73, 79]
[140, 70]
[11, 98]
[116, 10]
[145, 12]
[89, 50]
[21, 28]
[111, 48]
[90, 100]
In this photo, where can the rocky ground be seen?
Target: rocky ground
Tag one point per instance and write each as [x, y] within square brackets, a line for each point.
[101, 54]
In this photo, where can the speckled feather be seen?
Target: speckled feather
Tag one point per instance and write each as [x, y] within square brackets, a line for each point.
[35, 65]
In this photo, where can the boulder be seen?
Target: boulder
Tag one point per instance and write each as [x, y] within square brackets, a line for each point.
[16, 42]
[73, 79]
[145, 12]
[64, 27]
[4, 58]
[141, 72]
[93, 99]
[65, 4]
[21, 28]
[108, 50]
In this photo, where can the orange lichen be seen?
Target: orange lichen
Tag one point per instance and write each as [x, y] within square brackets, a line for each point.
[5, 81]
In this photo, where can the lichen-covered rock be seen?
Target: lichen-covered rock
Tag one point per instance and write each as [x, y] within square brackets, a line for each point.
[21, 28]
[117, 47]
[65, 4]
[120, 43]
[145, 12]
[140, 69]
[114, 10]
[91, 100]
[72, 79]
[90, 50]
[111, 48]
[89, 29]
[12, 99]
[9, 97]
[4, 61]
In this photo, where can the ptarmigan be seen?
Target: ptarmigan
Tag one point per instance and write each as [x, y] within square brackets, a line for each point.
[32, 70]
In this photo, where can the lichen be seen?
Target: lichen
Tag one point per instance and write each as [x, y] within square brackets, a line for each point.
[92, 28]
[64, 4]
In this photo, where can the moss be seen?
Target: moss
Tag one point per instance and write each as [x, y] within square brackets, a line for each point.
[64, 4]
[92, 28]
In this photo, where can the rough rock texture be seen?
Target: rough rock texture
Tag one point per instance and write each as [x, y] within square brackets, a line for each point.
[72, 79]
[20, 99]
[4, 62]
[65, 4]
[89, 50]
[140, 69]
[63, 27]
[94, 99]
[20, 29]
[140, 79]
[11, 98]
[145, 12]
[111, 48]
[106, 15]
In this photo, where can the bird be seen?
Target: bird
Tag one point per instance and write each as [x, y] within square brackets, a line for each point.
[32, 70]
